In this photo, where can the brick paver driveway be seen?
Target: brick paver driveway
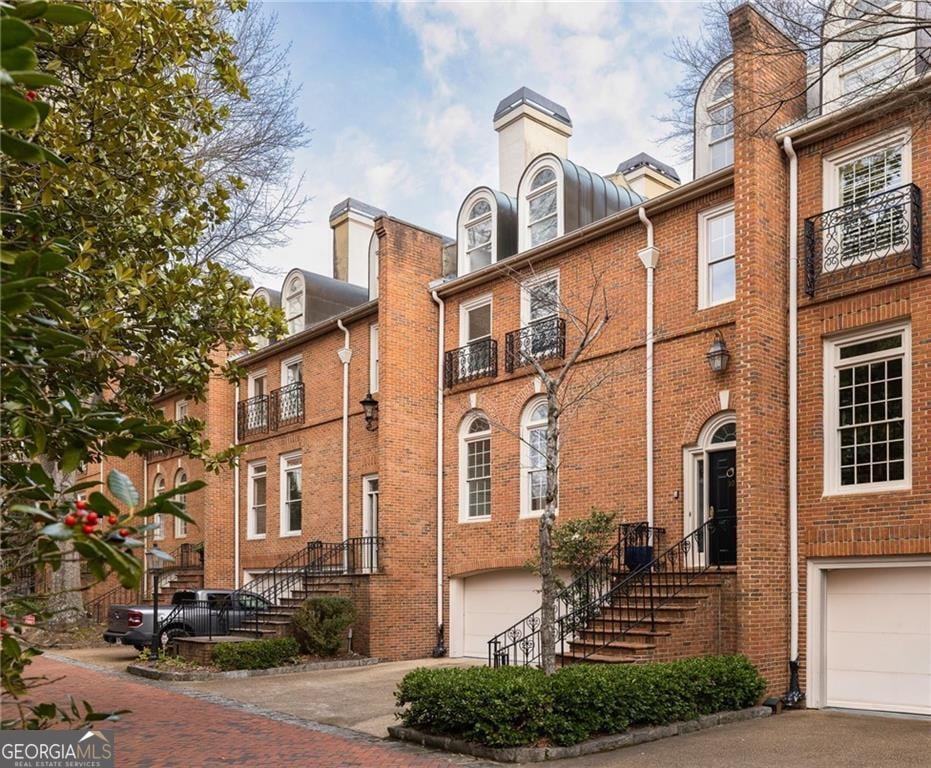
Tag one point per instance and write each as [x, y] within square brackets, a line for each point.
[168, 729]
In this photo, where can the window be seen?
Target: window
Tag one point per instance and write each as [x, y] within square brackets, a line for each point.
[181, 500]
[373, 357]
[292, 371]
[714, 121]
[158, 488]
[539, 311]
[258, 384]
[867, 412]
[478, 231]
[181, 410]
[291, 495]
[475, 469]
[294, 304]
[262, 295]
[258, 487]
[475, 333]
[533, 461]
[716, 272]
[878, 166]
[542, 220]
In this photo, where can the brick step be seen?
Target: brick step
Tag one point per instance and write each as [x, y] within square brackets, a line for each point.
[253, 632]
[643, 601]
[599, 635]
[614, 645]
[617, 625]
[697, 592]
[623, 614]
[595, 658]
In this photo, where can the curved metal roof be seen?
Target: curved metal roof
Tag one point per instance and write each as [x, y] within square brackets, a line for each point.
[324, 297]
[505, 216]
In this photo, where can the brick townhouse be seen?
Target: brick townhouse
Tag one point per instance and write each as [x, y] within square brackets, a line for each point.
[767, 413]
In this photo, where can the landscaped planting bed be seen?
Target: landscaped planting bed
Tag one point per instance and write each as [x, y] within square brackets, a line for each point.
[517, 706]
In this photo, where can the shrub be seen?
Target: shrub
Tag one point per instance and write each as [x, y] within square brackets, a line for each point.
[320, 624]
[256, 654]
[516, 706]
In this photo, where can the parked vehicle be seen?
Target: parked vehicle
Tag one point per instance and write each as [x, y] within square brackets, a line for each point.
[191, 613]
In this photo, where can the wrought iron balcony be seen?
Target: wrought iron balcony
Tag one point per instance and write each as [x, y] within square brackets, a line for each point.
[252, 416]
[477, 360]
[541, 340]
[873, 235]
[286, 405]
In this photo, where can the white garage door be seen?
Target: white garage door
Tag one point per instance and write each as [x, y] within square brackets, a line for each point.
[492, 602]
[878, 639]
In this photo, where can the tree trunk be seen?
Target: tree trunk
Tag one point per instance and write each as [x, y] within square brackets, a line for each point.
[548, 600]
[65, 603]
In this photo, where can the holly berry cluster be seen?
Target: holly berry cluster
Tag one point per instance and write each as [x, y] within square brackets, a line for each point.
[88, 519]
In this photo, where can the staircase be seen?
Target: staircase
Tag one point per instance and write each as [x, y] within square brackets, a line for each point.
[628, 609]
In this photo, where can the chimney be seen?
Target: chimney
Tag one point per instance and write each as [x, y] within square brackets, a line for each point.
[352, 223]
[528, 125]
[646, 176]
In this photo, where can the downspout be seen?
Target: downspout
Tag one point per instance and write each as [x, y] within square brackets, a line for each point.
[794, 695]
[649, 256]
[440, 648]
[236, 515]
[345, 356]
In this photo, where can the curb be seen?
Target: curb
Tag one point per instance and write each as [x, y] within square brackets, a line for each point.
[202, 675]
[592, 746]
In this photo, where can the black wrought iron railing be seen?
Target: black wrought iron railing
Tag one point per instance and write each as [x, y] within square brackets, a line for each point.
[286, 405]
[879, 233]
[541, 340]
[519, 644]
[252, 416]
[477, 360]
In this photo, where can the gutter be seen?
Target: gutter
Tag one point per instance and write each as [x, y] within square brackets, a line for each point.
[648, 257]
[794, 695]
[345, 357]
[440, 648]
[236, 514]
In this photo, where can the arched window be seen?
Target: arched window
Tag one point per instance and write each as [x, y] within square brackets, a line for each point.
[475, 468]
[533, 458]
[477, 223]
[714, 120]
[294, 304]
[158, 488]
[542, 208]
[181, 501]
[262, 295]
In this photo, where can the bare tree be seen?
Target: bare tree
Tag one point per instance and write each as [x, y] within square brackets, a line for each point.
[892, 40]
[252, 155]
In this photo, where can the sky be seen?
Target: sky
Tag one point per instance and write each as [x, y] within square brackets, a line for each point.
[399, 98]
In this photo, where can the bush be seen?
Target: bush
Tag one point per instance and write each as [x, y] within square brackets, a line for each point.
[515, 706]
[256, 654]
[320, 624]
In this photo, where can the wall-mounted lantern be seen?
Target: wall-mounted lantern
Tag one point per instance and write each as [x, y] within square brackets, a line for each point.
[718, 355]
[370, 407]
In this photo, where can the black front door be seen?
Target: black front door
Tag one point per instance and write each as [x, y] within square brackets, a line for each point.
[722, 503]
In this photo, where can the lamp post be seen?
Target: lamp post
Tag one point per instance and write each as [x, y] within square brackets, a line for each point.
[155, 559]
[370, 407]
[718, 355]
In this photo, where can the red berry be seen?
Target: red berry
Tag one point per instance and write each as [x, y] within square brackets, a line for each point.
[112, 519]
[124, 532]
[80, 504]
[91, 518]
[31, 95]
[70, 520]
[87, 529]
[4, 623]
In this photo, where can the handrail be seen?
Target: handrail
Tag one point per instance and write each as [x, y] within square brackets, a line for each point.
[540, 340]
[633, 549]
[475, 360]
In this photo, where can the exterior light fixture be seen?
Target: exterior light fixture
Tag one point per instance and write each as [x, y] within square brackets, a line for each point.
[370, 407]
[718, 355]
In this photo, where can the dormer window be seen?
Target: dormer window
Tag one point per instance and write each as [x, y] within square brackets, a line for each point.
[714, 121]
[294, 304]
[478, 227]
[541, 204]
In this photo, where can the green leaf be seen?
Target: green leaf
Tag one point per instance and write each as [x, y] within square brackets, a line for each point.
[32, 10]
[122, 487]
[35, 79]
[20, 149]
[16, 112]
[101, 504]
[71, 458]
[67, 14]
[58, 531]
[20, 58]
[14, 32]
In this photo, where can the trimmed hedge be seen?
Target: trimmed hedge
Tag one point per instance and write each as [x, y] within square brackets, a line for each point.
[321, 623]
[518, 706]
[256, 654]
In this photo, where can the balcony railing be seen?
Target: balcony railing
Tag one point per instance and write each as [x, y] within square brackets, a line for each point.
[873, 235]
[541, 340]
[477, 360]
[269, 413]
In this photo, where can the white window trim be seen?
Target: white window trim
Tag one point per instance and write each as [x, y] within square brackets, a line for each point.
[525, 511]
[523, 207]
[463, 266]
[158, 488]
[286, 296]
[181, 525]
[468, 306]
[832, 163]
[464, 439]
[250, 385]
[690, 456]
[831, 475]
[181, 405]
[531, 282]
[704, 284]
[703, 108]
[285, 364]
[373, 358]
[250, 499]
[283, 515]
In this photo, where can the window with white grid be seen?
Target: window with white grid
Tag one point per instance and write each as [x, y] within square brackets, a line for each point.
[867, 434]
[478, 468]
[533, 461]
[258, 487]
[717, 276]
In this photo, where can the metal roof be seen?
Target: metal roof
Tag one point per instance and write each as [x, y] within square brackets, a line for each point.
[642, 159]
[532, 98]
[351, 204]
